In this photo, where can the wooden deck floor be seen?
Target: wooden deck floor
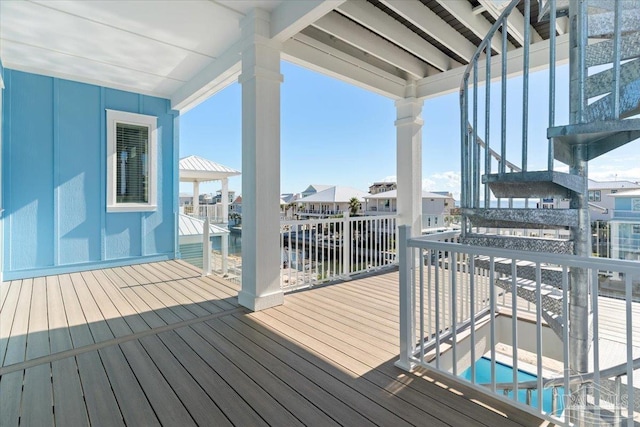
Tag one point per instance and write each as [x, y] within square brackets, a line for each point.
[156, 344]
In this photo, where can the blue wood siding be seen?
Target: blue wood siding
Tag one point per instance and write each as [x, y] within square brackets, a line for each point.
[54, 178]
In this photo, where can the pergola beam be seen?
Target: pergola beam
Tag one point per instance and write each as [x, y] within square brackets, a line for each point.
[373, 18]
[291, 17]
[429, 22]
[352, 33]
[464, 13]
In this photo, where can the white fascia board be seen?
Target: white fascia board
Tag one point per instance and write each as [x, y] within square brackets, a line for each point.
[449, 81]
[515, 23]
[463, 12]
[376, 20]
[220, 73]
[352, 33]
[291, 17]
[309, 53]
[429, 22]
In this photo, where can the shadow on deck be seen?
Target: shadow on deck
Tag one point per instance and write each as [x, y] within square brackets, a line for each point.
[156, 344]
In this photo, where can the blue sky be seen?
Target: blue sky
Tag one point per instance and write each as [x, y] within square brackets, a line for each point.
[335, 133]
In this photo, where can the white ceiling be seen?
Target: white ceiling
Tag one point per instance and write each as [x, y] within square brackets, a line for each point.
[143, 46]
[187, 50]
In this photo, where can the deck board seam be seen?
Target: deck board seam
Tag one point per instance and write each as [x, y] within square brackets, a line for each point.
[114, 341]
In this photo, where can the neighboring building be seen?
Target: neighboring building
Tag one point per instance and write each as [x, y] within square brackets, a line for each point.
[218, 197]
[185, 199]
[382, 187]
[333, 200]
[625, 225]
[600, 204]
[435, 206]
[313, 189]
[236, 206]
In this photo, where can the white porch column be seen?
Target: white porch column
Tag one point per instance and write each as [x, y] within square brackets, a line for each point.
[196, 198]
[225, 200]
[409, 160]
[260, 80]
[224, 249]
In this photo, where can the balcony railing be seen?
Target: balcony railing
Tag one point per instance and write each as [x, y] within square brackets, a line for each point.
[462, 303]
[321, 250]
[620, 214]
[213, 212]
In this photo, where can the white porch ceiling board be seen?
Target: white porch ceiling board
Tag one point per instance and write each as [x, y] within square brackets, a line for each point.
[289, 18]
[376, 20]
[449, 81]
[92, 41]
[463, 12]
[187, 25]
[515, 23]
[308, 52]
[56, 64]
[352, 33]
[429, 22]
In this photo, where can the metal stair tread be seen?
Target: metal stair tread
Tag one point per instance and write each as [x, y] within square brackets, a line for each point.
[602, 82]
[629, 104]
[600, 137]
[533, 184]
[521, 218]
[602, 52]
[601, 24]
[523, 243]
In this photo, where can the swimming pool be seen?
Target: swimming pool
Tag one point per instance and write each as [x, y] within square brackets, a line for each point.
[504, 374]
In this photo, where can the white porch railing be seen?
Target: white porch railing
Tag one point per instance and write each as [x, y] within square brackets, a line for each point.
[458, 304]
[321, 250]
[213, 212]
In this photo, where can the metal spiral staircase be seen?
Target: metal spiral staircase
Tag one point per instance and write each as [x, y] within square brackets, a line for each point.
[604, 97]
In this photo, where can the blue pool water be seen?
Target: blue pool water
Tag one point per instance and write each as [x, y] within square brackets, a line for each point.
[504, 374]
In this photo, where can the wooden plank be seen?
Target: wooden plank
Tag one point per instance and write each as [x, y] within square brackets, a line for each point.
[37, 397]
[167, 406]
[265, 405]
[136, 409]
[59, 337]
[184, 298]
[235, 408]
[200, 406]
[317, 351]
[17, 345]
[284, 390]
[4, 290]
[78, 329]
[95, 319]
[101, 404]
[332, 396]
[68, 400]
[7, 315]
[38, 336]
[11, 393]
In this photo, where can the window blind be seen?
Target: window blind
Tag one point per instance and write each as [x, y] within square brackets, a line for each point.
[132, 148]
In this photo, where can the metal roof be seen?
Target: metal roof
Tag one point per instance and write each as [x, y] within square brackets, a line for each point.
[335, 194]
[612, 185]
[392, 194]
[194, 168]
[190, 226]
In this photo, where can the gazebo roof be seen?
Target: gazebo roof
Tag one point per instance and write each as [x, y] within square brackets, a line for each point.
[194, 168]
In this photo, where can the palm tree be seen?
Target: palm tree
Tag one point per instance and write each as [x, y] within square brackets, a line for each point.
[354, 206]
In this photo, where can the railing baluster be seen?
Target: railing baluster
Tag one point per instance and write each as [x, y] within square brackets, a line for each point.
[539, 331]
[596, 342]
[525, 83]
[421, 299]
[552, 79]
[476, 147]
[454, 305]
[565, 337]
[514, 327]
[629, 324]
[503, 130]
[473, 318]
[615, 98]
[487, 122]
[437, 303]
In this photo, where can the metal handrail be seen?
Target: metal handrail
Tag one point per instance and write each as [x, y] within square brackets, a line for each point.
[614, 371]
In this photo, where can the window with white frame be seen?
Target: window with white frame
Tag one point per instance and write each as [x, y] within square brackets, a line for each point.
[131, 162]
[594, 195]
[635, 205]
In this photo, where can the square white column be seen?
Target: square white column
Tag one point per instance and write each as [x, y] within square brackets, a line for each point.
[225, 200]
[196, 198]
[260, 80]
[409, 161]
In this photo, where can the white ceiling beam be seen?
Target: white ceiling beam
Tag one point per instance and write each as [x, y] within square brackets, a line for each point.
[429, 22]
[464, 13]
[213, 78]
[291, 17]
[515, 23]
[376, 20]
[352, 33]
[317, 56]
[562, 25]
[449, 81]
[478, 10]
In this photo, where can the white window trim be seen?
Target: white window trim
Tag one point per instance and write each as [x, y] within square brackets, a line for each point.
[114, 117]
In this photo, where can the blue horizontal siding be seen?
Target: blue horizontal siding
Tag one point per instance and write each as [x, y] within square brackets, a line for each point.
[54, 178]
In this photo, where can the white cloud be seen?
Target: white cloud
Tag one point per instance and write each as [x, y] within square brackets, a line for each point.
[444, 181]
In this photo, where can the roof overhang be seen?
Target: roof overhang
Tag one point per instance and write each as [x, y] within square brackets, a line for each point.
[187, 51]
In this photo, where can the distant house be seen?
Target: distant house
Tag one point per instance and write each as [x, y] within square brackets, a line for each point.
[313, 189]
[600, 204]
[185, 199]
[236, 206]
[333, 200]
[382, 187]
[435, 206]
[625, 225]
